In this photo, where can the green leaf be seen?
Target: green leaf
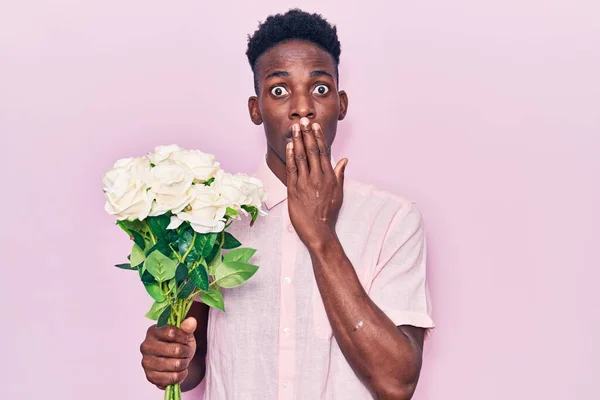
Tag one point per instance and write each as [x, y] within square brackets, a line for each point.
[137, 255]
[213, 298]
[213, 266]
[134, 226]
[208, 182]
[163, 244]
[213, 254]
[204, 243]
[233, 273]
[123, 226]
[230, 242]
[181, 274]
[125, 266]
[160, 266]
[186, 290]
[172, 236]
[185, 225]
[138, 239]
[231, 211]
[241, 254]
[200, 277]
[155, 291]
[210, 245]
[157, 309]
[164, 317]
[186, 241]
[253, 211]
[146, 276]
[158, 225]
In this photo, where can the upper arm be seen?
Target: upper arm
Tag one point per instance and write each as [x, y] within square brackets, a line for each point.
[399, 286]
[200, 312]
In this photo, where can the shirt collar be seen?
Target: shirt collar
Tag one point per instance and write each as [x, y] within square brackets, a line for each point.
[276, 190]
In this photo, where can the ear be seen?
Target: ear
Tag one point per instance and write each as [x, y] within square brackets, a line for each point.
[254, 110]
[343, 105]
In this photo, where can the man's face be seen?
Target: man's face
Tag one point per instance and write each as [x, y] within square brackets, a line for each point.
[296, 79]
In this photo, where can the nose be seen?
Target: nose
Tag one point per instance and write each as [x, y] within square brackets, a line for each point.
[302, 106]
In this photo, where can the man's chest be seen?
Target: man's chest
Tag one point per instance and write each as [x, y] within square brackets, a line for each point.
[285, 282]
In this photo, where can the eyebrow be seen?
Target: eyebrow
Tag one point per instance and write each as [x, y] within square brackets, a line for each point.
[277, 74]
[320, 73]
[313, 74]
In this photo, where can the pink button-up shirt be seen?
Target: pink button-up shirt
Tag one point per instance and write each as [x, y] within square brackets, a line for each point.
[274, 340]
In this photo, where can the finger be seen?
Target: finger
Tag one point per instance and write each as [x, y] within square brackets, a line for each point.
[163, 364]
[324, 152]
[340, 171]
[299, 153]
[311, 148]
[290, 162]
[166, 349]
[189, 326]
[168, 333]
[164, 379]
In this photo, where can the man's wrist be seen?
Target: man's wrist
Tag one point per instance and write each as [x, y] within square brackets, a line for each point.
[323, 242]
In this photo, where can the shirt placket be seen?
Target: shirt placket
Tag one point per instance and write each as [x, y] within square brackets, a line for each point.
[287, 315]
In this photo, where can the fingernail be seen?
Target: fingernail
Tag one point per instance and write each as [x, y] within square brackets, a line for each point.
[296, 130]
[304, 121]
[315, 126]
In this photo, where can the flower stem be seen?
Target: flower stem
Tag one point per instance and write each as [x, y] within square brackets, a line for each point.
[150, 232]
[190, 248]
[189, 304]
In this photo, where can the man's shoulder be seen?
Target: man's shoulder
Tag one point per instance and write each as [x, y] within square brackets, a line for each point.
[361, 193]
[377, 212]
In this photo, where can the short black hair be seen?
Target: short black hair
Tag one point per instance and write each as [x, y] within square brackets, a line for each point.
[293, 25]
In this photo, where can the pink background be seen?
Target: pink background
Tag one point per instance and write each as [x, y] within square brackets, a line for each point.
[487, 115]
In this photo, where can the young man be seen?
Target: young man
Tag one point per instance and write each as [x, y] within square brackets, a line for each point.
[339, 307]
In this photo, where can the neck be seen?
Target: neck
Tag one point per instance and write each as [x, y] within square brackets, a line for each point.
[277, 166]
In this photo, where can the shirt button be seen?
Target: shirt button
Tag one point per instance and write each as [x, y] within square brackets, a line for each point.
[287, 280]
[286, 330]
[290, 228]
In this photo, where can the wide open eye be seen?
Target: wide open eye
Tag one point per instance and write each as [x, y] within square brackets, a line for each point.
[321, 90]
[279, 91]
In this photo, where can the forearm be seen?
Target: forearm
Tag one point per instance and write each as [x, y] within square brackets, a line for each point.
[387, 360]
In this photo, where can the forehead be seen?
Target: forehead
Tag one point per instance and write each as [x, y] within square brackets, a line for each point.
[294, 55]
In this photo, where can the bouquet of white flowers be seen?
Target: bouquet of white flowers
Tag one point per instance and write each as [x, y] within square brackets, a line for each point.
[176, 205]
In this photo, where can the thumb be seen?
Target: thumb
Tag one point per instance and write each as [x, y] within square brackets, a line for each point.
[189, 325]
[340, 171]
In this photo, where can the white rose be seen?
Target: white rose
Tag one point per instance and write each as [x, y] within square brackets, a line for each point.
[133, 162]
[126, 193]
[255, 189]
[139, 166]
[161, 153]
[206, 211]
[203, 165]
[233, 190]
[170, 183]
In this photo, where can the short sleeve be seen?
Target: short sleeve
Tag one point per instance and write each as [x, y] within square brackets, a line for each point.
[399, 286]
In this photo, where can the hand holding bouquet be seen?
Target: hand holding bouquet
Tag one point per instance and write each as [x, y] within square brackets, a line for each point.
[176, 205]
